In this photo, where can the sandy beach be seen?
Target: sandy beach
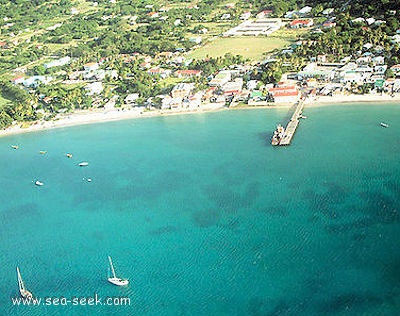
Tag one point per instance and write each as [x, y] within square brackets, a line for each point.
[97, 116]
[353, 98]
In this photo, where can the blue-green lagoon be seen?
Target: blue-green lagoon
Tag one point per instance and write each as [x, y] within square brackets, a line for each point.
[205, 217]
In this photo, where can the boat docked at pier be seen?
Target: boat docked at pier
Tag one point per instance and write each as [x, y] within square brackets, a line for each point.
[278, 135]
[22, 290]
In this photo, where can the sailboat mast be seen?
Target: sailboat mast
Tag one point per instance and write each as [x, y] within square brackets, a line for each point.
[20, 282]
[112, 267]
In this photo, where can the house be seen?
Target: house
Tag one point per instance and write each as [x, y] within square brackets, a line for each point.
[328, 24]
[245, 15]
[230, 5]
[380, 69]
[47, 100]
[285, 94]
[232, 87]
[396, 68]
[352, 76]
[370, 21]
[251, 84]
[59, 62]
[299, 23]
[379, 22]
[175, 103]
[3, 45]
[18, 80]
[290, 14]
[358, 20]
[74, 11]
[305, 11]
[193, 101]
[221, 78]
[153, 14]
[91, 66]
[264, 14]
[34, 81]
[225, 16]
[209, 93]
[367, 46]
[101, 74]
[181, 90]
[110, 104]
[321, 58]
[363, 60]
[145, 65]
[195, 39]
[163, 73]
[378, 60]
[130, 99]
[166, 55]
[327, 11]
[395, 39]
[94, 88]
[190, 73]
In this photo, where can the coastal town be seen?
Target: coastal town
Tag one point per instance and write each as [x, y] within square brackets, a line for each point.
[200, 157]
[277, 79]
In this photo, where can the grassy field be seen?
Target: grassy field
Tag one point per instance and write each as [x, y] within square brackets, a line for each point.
[254, 48]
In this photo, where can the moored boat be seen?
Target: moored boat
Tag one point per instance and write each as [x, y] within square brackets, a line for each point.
[113, 278]
[383, 124]
[278, 135]
[83, 164]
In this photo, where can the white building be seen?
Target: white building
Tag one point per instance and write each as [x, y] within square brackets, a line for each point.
[181, 90]
[221, 78]
[94, 88]
[59, 62]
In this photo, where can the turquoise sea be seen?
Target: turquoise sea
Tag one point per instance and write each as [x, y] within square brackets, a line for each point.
[205, 217]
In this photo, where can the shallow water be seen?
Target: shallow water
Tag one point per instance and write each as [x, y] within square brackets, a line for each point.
[205, 217]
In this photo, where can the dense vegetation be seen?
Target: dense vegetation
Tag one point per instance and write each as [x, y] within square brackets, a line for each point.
[35, 31]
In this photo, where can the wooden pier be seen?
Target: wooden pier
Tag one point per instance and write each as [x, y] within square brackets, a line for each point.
[292, 125]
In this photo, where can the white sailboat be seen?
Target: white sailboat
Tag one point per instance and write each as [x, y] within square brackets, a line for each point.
[22, 290]
[114, 279]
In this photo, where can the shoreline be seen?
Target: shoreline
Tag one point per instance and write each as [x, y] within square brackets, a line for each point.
[101, 116]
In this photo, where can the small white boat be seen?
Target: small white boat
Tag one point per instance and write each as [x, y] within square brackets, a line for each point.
[114, 279]
[22, 290]
[83, 164]
[384, 124]
[39, 183]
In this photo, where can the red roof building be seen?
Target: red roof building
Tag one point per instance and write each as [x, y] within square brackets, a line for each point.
[285, 94]
[295, 24]
[188, 73]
